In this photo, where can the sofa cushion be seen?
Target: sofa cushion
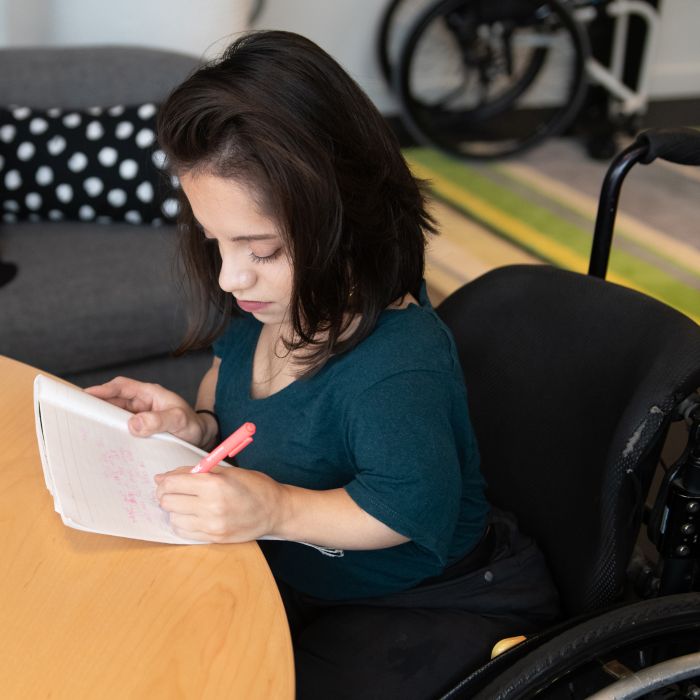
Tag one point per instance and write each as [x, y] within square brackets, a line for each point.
[100, 164]
[77, 77]
[86, 297]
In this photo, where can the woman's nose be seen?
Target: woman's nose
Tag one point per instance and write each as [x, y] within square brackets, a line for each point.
[235, 278]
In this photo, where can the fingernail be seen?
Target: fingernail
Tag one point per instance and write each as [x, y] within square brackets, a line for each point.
[137, 424]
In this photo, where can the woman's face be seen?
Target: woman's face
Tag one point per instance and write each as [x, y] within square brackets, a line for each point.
[255, 265]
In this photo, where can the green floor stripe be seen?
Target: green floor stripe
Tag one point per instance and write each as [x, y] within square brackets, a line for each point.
[644, 276]
[620, 232]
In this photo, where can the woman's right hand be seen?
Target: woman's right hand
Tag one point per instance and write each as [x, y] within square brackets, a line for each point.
[156, 410]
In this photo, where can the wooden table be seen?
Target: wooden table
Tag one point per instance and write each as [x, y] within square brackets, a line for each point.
[92, 616]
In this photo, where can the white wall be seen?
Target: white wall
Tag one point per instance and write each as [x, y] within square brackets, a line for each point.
[184, 25]
[676, 71]
[345, 28]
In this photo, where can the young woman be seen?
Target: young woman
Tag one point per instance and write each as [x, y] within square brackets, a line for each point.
[304, 231]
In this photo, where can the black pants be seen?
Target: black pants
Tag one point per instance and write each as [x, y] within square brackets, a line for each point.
[418, 643]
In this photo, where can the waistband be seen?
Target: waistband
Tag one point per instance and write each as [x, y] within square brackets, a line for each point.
[475, 559]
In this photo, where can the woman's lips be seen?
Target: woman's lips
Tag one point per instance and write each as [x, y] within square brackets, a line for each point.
[252, 306]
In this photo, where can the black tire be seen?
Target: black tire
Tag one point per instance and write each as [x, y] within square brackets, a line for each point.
[490, 78]
[397, 18]
[570, 665]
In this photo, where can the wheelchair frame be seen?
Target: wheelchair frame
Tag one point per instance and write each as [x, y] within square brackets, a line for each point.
[669, 610]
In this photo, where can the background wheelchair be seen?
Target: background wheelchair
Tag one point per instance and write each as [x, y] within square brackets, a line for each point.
[573, 385]
[490, 78]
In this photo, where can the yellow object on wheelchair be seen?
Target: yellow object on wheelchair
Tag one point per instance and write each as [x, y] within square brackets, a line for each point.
[505, 644]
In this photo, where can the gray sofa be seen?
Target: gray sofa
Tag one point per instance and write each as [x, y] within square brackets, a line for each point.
[92, 299]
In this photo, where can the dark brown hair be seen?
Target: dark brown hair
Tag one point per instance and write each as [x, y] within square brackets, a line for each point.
[277, 113]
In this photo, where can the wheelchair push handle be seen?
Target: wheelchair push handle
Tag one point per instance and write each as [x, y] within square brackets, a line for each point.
[678, 145]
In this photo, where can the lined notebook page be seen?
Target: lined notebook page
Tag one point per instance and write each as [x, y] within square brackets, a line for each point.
[100, 475]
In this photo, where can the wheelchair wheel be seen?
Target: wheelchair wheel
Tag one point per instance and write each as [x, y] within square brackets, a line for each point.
[489, 78]
[397, 19]
[593, 655]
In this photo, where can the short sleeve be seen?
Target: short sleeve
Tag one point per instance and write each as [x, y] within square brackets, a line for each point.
[402, 435]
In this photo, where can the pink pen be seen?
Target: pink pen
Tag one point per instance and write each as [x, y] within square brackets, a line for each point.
[230, 447]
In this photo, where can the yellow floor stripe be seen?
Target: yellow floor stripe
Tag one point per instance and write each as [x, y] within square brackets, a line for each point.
[479, 249]
[679, 252]
[530, 237]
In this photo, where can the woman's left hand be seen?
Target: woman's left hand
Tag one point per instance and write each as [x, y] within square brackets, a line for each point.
[224, 505]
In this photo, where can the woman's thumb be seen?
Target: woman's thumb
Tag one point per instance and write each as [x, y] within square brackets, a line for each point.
[146, 423]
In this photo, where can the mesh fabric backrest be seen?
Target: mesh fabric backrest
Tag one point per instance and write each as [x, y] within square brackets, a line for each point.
[571, 381]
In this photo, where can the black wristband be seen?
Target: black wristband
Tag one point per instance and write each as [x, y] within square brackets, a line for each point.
[214, 416]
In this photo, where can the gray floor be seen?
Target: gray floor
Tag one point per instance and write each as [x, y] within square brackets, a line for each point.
[664, 195]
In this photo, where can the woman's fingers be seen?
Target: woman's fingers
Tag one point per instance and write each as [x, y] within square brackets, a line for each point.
[126, 393]
[189, 514]
[182, 482]
[187, 526]
[171, 420]
[179, 503]
[157, 409]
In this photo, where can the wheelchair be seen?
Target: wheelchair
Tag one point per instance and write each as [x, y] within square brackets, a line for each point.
[573, 385]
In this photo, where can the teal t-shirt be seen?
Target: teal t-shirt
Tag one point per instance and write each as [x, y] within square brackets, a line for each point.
[387, 421]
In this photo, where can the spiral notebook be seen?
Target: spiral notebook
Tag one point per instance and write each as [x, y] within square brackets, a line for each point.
[99, 474]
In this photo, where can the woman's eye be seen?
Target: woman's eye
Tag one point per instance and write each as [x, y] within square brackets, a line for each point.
[265, 258]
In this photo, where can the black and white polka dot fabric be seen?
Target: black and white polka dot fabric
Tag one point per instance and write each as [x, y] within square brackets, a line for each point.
[101, 164]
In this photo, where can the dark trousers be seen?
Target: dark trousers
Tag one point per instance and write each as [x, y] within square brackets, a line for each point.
[418, 643]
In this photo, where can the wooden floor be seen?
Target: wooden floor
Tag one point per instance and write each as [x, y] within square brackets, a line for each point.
[463, 251]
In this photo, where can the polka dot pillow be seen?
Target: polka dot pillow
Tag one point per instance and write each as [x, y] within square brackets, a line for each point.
[102, 164]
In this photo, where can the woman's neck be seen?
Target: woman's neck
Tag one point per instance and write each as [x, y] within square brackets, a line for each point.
[276, 366]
